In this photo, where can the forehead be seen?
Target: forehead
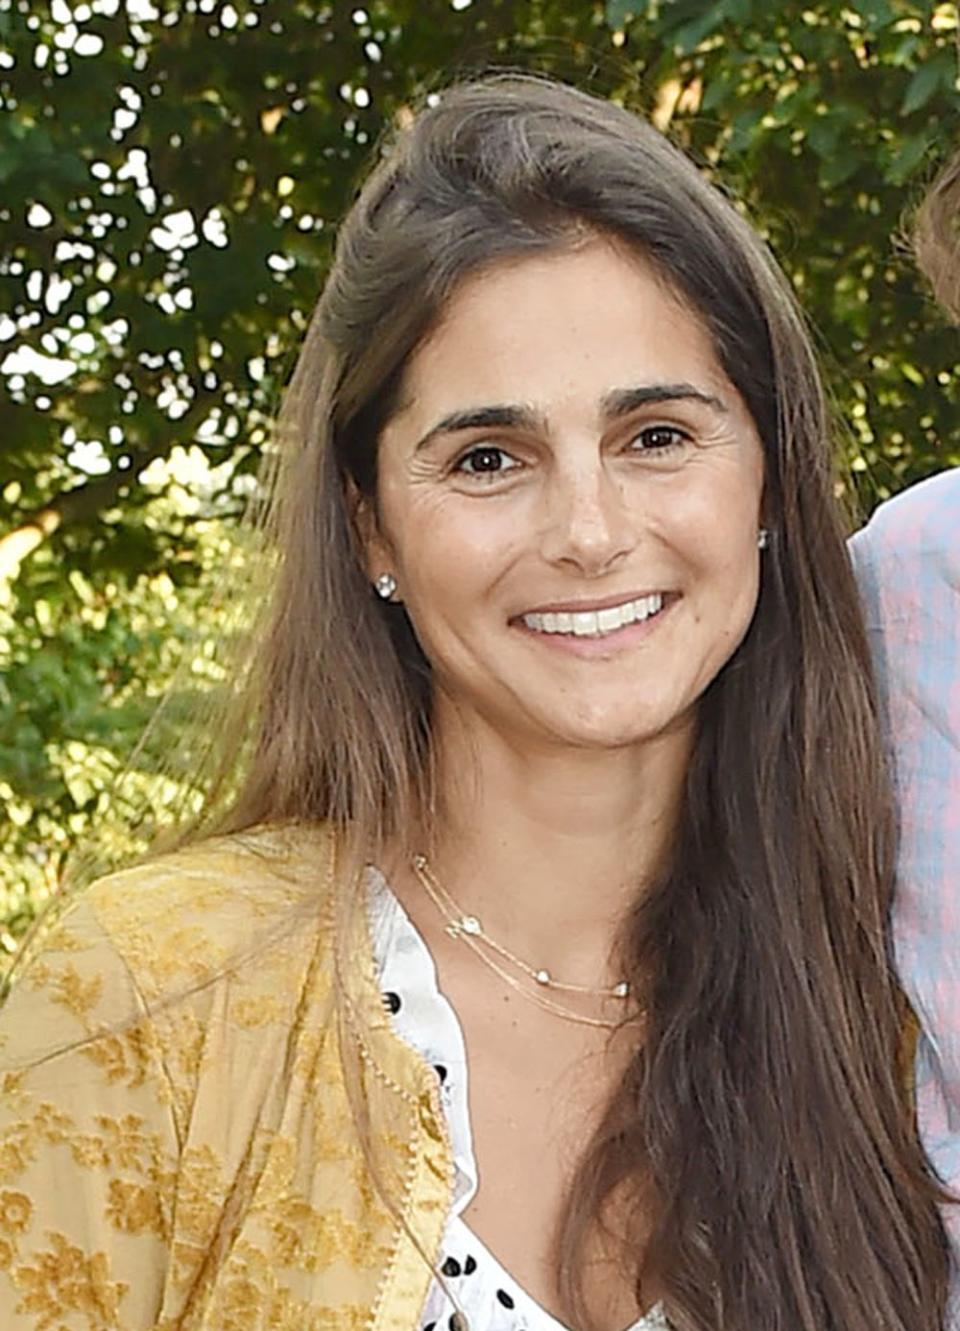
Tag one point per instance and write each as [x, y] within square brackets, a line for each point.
[557, 326]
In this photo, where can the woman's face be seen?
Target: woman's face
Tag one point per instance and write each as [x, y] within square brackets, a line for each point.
[569, 500]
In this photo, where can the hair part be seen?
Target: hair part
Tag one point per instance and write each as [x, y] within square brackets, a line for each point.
[762, 1128]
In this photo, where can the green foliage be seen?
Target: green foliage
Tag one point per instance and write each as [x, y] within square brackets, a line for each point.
[827, 122]
[172, 173]
[82, 666]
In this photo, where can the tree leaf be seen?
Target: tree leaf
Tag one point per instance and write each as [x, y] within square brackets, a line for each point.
[688, 37]
[877, 13]
[908, 157]
[840, 165]
[618, 13]
[925, 82]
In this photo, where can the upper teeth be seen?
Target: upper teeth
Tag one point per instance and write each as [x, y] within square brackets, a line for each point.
[593, 623]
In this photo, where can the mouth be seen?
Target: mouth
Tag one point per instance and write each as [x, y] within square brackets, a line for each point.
[603, 623]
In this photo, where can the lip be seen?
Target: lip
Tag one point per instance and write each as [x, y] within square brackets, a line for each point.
[604, 603]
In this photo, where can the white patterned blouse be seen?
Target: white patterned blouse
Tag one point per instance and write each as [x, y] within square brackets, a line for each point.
[491, 1299]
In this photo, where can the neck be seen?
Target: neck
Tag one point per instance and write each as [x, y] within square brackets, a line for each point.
[550, 846]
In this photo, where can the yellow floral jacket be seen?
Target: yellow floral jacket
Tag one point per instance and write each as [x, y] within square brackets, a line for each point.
[180, 1085]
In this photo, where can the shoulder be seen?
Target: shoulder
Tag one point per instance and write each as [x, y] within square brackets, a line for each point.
[921, 524]
[200, 910]
[238, 909]
[907, 562]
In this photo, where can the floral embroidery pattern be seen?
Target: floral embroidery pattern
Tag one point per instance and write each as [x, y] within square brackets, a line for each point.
[177, 1148]
[64, 1279]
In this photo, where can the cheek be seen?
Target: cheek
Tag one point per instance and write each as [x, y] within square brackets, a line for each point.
[731, 597]
[733, 572]
[721, 520]
[447, 550]
[722, 562]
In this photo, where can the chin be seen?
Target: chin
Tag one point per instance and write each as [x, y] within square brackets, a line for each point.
[607, 733]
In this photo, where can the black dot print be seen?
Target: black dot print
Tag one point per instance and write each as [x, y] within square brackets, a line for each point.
[465, 1265]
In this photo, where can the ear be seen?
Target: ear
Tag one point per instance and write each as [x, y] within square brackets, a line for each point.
[373, 549]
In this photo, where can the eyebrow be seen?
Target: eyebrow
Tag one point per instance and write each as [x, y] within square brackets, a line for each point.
[613, 405]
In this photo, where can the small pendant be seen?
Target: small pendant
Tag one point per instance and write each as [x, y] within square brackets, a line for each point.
[622, 989]
[467, 924]
[542, 977]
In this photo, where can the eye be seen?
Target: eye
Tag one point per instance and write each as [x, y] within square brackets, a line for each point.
[485, 461]
[659, 439]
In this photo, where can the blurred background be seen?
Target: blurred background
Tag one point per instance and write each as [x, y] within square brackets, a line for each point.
[171, 176]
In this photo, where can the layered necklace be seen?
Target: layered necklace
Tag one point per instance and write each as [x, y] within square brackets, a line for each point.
[469, 930]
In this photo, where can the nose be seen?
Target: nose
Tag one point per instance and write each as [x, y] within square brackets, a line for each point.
[588, 523]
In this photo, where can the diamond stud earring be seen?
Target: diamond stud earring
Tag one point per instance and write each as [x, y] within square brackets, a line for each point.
[386, 585]
[763, 538]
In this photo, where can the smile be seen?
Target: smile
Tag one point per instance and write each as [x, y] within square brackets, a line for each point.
[596, 623]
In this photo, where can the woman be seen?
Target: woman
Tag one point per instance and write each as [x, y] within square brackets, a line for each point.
[564, 769]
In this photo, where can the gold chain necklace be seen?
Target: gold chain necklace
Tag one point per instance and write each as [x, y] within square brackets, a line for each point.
[468, 929]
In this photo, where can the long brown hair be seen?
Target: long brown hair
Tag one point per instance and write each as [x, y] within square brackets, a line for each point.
[765, 1113]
